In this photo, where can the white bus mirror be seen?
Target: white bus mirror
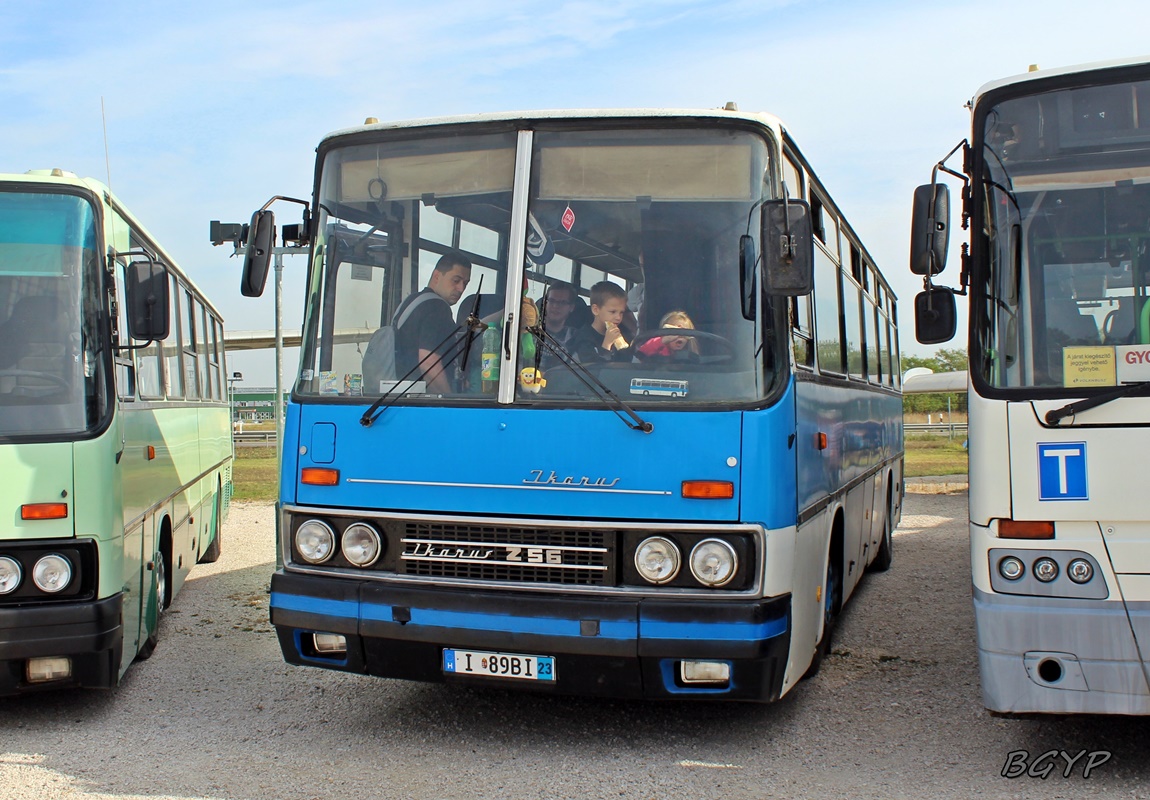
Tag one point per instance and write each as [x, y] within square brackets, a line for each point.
[935, 315]
[929, 229]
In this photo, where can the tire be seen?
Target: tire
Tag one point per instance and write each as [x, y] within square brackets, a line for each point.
[160, 588]
[212, 554]
[832, 598]
[885, 555]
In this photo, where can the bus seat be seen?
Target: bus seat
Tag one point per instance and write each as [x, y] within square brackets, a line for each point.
[488, 305]
[1068, 326]
[34, 342]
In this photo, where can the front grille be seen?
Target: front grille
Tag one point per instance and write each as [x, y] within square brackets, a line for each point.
[567, 556]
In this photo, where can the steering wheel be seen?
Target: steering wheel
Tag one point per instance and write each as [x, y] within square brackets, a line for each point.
[31, 373]
[686, 354]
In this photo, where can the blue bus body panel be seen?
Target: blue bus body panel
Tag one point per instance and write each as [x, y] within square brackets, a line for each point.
[544, 463]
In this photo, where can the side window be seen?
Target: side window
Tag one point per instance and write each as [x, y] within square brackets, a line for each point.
[793, 177]
[173, 356]
[870, 321]
[853, 326]
[188, 344]
[828, 331]
[217, 360]
[202, 350]
[802, 332]
[125, 370]
[818, 220]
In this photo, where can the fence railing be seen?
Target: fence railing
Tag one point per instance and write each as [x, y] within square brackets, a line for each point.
[255, 438]
[952, 428]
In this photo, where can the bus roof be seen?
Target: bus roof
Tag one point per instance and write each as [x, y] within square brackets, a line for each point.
[554, 114]
[1040, 74]
[60, 177]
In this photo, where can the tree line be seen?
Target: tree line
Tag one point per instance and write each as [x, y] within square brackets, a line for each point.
[944, 360]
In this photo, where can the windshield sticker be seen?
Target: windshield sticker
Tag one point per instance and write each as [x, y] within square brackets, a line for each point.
[1133, 363]
[1088, 366]
[659, 387]
[568, 219]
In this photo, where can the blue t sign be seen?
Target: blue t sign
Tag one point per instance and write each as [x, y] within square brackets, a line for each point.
[1062, 471]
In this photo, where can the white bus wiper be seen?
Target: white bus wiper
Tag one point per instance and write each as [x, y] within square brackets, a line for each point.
[591, 381]
[1054, 416]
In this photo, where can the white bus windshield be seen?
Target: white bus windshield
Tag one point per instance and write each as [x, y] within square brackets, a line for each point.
[51, 355]
[655, 213]
[1064, 217]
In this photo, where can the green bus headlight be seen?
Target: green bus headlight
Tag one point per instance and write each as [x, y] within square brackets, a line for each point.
[10, 575]
[52, 573]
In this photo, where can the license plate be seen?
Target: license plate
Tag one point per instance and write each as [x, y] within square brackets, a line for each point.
[499, 665]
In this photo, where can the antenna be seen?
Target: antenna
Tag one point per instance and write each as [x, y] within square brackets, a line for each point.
[107, 161]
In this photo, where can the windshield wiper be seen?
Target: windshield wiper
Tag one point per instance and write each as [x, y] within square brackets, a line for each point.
[462, 343]
[592, 382]
[1054, 416]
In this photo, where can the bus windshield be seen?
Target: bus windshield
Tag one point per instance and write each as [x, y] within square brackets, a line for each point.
[1063, 212]
[656, 213]
[52, 371]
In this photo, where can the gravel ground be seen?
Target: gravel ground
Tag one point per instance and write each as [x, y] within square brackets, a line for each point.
[895, 713]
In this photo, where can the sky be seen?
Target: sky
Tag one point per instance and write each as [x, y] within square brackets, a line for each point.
[212, 108]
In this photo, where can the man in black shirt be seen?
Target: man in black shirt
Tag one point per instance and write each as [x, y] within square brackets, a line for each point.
[426, 335]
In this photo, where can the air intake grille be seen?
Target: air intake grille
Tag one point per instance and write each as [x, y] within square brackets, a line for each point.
[567, 556]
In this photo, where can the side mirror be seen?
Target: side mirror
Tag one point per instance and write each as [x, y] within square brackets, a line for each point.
[146, 287]
[935, 315]
[748, 275]
[261, 239]
[929, 229]
[788, 248]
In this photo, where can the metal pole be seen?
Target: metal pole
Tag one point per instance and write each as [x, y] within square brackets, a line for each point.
[279, 403]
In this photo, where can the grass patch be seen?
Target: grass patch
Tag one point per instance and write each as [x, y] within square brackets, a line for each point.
[255, 474]
[930, 454]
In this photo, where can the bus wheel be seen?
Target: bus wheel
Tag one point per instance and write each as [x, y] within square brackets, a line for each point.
[885, 554]
[212, 554]
[832, 594]
[160, 587]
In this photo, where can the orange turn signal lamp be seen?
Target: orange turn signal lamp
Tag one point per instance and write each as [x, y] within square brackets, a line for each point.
[1018, 529]
[319, 476]
[44, 511]
[708, 490]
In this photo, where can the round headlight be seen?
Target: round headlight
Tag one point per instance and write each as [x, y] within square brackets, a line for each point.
[713, 562]
[1011, 568]
[315, 541]
[52, 573]
[361, 544]
[657, 560]
[1080, 570]
[10, 575]
[1046, 569]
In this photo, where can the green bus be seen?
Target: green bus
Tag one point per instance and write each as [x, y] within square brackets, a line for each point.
[115, 438]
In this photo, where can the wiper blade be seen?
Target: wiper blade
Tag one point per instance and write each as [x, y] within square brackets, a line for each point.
[1054, 416]
[461, 345]
[592, 382]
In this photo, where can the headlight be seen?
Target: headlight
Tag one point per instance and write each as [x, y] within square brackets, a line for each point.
[1011, 568]
[361, 544]
[657, 560]
[10, 575]
[1080, 570]
[713, 562]
[315, 541]
[52, 573]
[1046, 569]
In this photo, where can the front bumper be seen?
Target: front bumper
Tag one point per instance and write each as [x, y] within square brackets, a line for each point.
[89, 633]
[618, 647]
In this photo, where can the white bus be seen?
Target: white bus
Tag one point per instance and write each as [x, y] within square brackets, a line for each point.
[1058, 193]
